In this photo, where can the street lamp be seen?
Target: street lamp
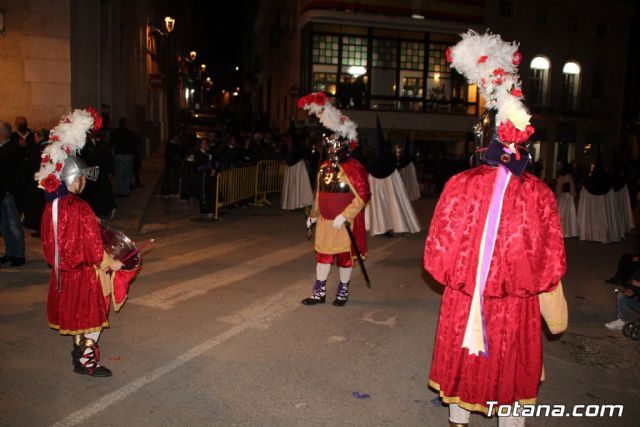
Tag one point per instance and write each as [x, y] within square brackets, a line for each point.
[192, 55]
[169, 24]
[203, 67]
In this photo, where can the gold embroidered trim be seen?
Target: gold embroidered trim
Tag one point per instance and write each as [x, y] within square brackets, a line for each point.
[477, 407]
[79, 331]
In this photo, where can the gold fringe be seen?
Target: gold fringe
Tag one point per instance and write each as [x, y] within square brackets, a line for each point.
[477, 407]
[79, 331]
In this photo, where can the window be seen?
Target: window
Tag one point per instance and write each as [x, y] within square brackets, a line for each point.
[573, 23]
[570, 85]
[324, 56]
[383, 69]
[539, 81]
[353, 80]
[540, 17]
[506, 8]
[383, 72]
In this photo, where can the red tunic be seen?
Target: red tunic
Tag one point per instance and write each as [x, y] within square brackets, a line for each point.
[528, 259]
[80, 307]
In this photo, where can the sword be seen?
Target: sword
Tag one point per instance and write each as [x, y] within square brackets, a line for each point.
[355, 247]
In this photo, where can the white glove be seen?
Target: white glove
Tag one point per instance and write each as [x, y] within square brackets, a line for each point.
[337, 223]
[311, 221]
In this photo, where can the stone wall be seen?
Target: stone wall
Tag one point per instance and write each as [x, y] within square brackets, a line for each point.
[35, 64]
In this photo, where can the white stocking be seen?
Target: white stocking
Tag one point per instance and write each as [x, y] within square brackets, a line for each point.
[345, 274]
[322, 271]
[458, 415]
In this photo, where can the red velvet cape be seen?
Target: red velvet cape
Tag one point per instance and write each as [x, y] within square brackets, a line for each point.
[528, 259]
[81, 306]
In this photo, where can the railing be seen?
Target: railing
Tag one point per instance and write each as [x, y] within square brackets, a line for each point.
[233, 186]
[236, 185]
[269, 176]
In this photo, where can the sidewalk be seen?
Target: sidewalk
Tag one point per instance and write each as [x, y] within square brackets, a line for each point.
[130, 210]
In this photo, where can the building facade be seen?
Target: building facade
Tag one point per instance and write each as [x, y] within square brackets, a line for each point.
[385, 59]
[57, 55]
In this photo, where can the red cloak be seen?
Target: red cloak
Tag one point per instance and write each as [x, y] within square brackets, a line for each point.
[80, 306]
[359, 179]
[528, 259]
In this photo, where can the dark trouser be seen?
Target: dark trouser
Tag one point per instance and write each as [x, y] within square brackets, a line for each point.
[12, 231]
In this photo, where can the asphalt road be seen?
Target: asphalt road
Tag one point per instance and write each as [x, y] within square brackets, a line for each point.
[214, 334]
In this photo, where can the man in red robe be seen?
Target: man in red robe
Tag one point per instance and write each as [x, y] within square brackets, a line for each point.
[342, 192]
[495, 244]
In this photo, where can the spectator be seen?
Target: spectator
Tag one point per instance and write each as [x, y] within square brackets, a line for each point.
[627, 264]
[23, 135]
[205, 174]
[99, 193]
[12, 173]
[124, 149]
[188, 181]
[629, 298]
[172, 160]
[34, 196]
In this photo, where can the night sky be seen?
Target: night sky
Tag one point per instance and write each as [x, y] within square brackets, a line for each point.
[216, 30]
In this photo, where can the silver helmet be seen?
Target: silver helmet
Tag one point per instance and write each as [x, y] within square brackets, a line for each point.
[74, 167]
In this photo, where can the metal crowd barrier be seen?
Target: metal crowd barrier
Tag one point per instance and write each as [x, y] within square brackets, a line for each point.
[233, 186]
[269, 177]
[255, 182]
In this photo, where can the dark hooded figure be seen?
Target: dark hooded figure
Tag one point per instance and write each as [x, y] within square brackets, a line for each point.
[390, 209]
[407, 171]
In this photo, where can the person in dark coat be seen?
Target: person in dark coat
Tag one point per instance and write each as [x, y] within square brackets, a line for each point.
[99, 193]
[188, 181]
[172, 160]
[34, 196]
[124, 148]
[12, 172]
[23, 136]
[206, 181]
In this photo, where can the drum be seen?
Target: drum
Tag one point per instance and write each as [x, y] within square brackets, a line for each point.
[120, 247]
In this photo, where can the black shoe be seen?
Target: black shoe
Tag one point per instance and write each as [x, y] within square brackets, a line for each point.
[342, 296]
[5, 259]
[314, 301]
[17, 261]
[339, 302]
[98, 371]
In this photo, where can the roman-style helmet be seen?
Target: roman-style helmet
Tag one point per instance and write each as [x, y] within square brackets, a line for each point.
[59, 163]
[74, 167]
[492, 64]
[344, 138]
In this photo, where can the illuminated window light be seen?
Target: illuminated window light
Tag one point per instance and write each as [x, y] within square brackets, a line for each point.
[540, 63]
[357, 70]
[571, 68]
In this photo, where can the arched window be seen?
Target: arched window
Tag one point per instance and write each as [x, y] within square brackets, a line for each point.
[570, 85]
[539, 81]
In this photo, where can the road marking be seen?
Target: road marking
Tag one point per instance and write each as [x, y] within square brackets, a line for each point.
[259, 315]
[168, 297]
[158, 265]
